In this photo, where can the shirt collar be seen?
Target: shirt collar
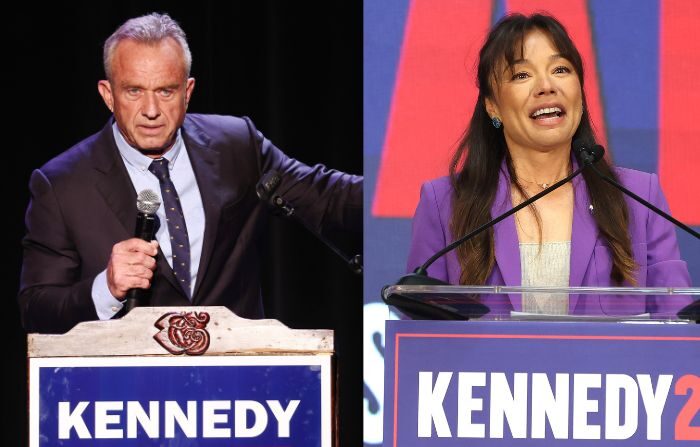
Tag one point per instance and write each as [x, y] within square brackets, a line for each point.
[135, 158]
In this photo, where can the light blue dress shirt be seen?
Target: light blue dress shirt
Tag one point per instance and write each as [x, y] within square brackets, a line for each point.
[183, 178]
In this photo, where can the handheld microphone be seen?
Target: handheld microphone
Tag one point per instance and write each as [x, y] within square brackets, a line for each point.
[419, 277]
[266, 190]
[147, 203]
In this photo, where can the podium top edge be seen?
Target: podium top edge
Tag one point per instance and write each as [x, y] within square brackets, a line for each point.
[195, 330]
[504, 290]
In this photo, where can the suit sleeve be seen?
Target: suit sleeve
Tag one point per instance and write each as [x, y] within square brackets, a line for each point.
[52, 297]
[323, 198]
[428, 235]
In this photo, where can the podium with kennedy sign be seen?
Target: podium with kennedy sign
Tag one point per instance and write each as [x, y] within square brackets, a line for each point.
[197, 376]
[621, 368]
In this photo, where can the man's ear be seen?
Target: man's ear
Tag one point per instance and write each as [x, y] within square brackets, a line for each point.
[105, 89]
[189, 88]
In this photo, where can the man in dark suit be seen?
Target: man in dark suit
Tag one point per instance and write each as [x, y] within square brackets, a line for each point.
[79, 257]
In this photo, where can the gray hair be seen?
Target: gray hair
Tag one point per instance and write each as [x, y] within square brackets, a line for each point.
[149, 29]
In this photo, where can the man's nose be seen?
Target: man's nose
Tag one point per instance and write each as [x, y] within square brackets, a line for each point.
[151, 108]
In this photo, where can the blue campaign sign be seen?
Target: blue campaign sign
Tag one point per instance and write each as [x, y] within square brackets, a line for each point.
[205, 401]
[535, 383]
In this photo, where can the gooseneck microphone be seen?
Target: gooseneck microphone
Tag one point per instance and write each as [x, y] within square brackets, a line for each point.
[147, 203]
[587, 155]
[634, 196]
[692, 310]
[266, 190]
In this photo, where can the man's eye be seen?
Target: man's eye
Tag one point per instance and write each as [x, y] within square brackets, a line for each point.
[133, 91]
[166, 93]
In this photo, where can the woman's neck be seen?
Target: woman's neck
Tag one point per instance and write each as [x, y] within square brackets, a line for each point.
[541, 168]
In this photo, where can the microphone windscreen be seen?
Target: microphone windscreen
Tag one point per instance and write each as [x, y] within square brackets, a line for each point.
[597, 151]
[147, 202]
[588, 153]
[579, 145]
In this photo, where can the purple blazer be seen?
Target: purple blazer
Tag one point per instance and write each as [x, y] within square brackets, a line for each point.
[653, 243]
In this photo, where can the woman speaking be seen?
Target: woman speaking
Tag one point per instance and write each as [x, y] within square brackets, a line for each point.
[531, 106]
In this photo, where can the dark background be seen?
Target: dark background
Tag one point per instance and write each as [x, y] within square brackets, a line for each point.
[294, 67]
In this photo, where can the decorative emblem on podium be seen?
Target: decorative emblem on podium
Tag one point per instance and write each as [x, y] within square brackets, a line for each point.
[183, 332]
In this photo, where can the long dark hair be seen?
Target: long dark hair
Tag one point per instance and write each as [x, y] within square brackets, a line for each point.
[478, 158]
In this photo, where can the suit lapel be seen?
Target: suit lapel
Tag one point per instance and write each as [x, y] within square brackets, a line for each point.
[507, 246]
[584, 233]
[205, 163]
[114, 184]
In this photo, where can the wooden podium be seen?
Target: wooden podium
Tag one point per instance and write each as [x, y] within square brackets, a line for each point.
[195, 376]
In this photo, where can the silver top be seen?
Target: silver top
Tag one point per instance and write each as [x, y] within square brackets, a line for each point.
[148, 201]
[545, 265]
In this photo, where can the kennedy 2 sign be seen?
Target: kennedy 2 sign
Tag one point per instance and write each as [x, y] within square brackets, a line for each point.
[549, 405]
[519, 383]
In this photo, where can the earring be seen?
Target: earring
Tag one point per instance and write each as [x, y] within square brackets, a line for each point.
[496, 121]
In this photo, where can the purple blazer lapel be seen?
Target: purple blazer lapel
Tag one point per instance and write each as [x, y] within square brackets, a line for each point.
[584, 233]
[506, 244]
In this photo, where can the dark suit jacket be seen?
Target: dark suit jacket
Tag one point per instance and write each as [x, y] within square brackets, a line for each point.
[83, 202]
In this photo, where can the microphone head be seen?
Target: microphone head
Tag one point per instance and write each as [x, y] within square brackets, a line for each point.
[597, 151]
[268, 184]
[147, 202]
[587, 153]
